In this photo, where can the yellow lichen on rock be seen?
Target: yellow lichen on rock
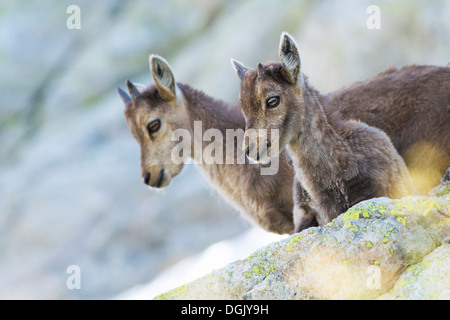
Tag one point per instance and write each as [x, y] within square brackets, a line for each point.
[380, 248]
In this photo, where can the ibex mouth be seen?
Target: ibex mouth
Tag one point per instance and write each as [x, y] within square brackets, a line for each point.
[160, 179]
[147, 178]
[259, 154]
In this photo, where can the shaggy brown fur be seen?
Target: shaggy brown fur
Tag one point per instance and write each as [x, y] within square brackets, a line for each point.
[338, 163]
[412, 106]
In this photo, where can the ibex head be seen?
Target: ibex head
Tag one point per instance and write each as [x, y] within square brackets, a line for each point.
[271, 98]
[152, 115]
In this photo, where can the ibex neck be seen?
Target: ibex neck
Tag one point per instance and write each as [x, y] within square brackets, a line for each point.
[206, 113]
[225, 125]
[317, 148]
[213, 113]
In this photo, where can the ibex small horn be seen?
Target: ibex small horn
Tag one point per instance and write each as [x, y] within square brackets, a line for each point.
[125, 97]
[134, 92]
[240, 69]
[261, 70]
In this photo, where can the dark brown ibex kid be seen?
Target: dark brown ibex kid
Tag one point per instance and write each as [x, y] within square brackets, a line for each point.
[337, 162]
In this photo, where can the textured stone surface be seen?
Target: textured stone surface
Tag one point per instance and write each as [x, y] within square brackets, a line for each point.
[427, 279]
[380, 248]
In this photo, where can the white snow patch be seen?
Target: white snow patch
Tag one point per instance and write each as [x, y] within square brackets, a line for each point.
[215, 256]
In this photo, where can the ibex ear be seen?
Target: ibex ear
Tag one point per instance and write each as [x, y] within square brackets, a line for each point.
[240, 69]
[290, 58]
[163, 76]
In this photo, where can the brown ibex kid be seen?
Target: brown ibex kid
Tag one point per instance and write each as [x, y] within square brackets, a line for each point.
[155, 113]
[337, 162]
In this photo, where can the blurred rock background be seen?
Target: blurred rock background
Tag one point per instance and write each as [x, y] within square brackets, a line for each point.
[70, 186]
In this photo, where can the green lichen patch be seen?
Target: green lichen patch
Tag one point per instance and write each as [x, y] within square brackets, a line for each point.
[261, 254]
[288, 248]
[424, 206]
[388, 235]
[296, 238]
[351, 214]
[366, 210]
[351, 226]
[261, 268]
[293, 241]
[177, 292]
[260, 263]
[445, 191]
[402, 220]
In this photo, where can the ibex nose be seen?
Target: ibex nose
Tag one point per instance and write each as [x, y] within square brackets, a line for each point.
[247, 151]
[258, 151]
[250, 149]
[147, 178]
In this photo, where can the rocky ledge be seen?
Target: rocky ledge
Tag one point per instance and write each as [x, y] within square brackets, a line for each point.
[378, 249]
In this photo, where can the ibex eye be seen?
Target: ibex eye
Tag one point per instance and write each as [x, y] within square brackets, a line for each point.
[272, 102]
[154, 126]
